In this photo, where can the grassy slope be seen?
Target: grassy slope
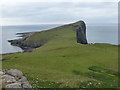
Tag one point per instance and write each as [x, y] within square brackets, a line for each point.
[62, 62]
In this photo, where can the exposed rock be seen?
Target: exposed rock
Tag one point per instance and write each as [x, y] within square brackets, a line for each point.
[16, 73]
[81, 32]
[22, 80]
[13, 79]
[13, 85]
[1, 73]
[26, 85]
[24, 43]
[7, 79]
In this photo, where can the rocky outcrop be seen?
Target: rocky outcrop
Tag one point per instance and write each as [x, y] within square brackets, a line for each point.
[81, 32]
[25, 44]
[13, 79]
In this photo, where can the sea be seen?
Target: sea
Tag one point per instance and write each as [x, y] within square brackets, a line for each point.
[95, 34]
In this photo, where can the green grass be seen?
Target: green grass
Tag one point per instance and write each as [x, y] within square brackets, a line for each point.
[62, 62]
[103, 70]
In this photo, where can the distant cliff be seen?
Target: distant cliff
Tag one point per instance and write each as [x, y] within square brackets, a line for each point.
[81, 32]
[36, 39]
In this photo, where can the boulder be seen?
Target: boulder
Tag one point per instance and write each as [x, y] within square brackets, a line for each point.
[1, 73]
[24, 82]
[16, 73]
[13, 85]
[26, 85]
[13, 79]
[7, 79]
[23, 79]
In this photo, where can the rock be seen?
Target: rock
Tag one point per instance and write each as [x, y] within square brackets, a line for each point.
[1, 73]
[13, 79]
[7, 79]
[22, 80]
[26, 85]
[16, 73]
[81, 32]
[13, 85]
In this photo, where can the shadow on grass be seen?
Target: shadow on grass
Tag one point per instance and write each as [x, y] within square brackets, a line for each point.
[103, 70]
[102, 78]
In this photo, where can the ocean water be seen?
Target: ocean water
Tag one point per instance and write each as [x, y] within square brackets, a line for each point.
[9, 33]
[95, 34]
[102, 34]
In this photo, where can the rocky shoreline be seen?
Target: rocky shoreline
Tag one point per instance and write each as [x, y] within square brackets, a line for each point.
[26, 46]
[17, 42]
[13, 79]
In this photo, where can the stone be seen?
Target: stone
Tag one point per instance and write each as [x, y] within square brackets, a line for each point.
[7, 79]
[13, 85]
[16, 73]
[26, 85]
[14, 80]
[81, 32]
[1, 73]
[22, 80]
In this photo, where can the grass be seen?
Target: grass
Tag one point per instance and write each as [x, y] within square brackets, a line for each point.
[102, 79]
[63, 63]
[103, 70]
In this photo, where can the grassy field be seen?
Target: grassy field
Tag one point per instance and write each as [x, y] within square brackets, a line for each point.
[63, 63]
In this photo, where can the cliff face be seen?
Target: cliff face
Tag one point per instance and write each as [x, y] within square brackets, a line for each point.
[37, 39]
[81, 33]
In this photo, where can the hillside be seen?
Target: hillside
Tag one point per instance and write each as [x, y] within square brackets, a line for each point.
[34, 40]
[58, 61]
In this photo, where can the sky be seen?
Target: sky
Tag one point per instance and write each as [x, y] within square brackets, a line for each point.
[26, 12]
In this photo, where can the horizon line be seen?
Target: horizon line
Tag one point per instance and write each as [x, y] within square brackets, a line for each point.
[49, 24]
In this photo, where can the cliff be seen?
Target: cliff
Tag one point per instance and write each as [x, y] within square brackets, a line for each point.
[37, 39]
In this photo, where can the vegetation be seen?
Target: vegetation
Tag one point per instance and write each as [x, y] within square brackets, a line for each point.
[63, 63]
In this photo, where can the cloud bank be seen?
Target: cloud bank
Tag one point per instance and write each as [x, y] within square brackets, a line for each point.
[58, 12]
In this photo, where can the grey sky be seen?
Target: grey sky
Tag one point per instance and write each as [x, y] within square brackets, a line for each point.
[59, 12]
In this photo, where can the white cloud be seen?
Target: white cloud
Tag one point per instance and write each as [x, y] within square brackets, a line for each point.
[58, 12]
[16, 1]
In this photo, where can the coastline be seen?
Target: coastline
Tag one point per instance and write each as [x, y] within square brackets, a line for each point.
[28, 45]
[10, 53]
[24, 37]
[30, 49]
[4, 54]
